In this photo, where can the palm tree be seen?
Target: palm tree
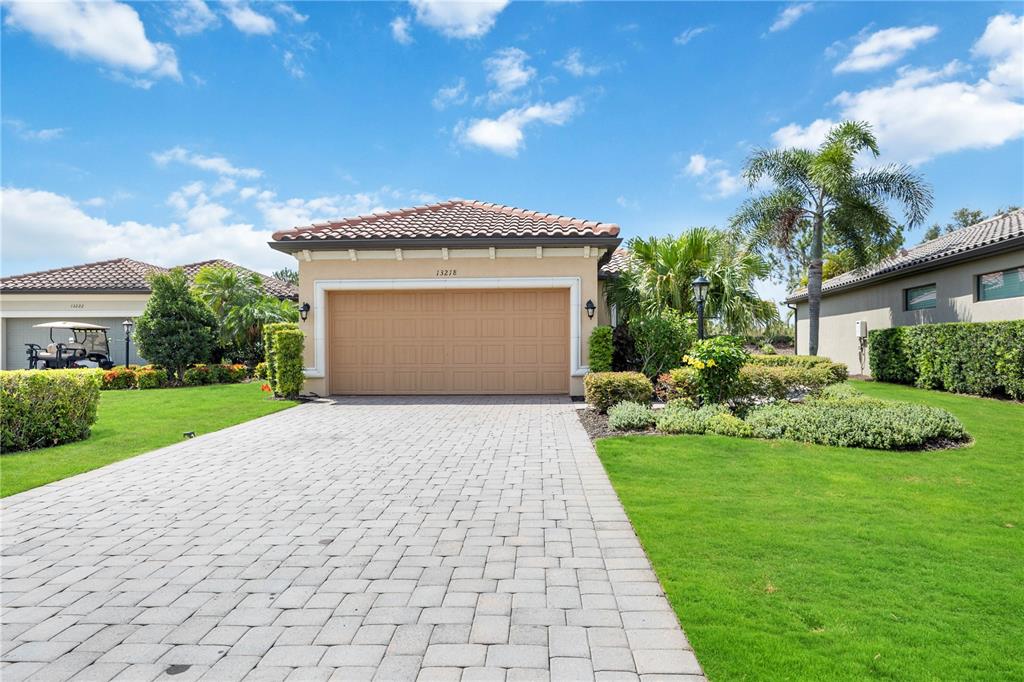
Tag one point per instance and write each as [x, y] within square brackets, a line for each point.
[824, 190]
[662, 269]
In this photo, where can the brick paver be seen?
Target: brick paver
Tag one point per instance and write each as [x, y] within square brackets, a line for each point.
[387, 539]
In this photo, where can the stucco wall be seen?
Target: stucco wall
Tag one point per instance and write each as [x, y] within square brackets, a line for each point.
[567, 262]
[881, 306]
[104, 309]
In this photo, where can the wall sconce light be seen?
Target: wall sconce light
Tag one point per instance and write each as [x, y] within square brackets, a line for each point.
[304, 311]
[590, 308]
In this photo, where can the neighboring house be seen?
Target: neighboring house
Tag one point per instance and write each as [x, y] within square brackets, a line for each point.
[458, 297]
[104, 293]
[619, 261]
[974, 274]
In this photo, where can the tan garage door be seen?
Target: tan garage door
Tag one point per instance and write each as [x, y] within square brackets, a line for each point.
[449, 342]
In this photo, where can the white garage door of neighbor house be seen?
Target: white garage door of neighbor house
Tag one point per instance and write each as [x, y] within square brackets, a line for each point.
[513, 341]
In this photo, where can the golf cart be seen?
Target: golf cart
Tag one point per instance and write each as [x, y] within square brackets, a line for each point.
[87, 346]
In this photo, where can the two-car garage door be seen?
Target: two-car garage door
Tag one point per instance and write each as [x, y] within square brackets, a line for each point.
[498, 341]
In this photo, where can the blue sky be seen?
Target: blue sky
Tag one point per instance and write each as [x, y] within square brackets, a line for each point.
[179, 132]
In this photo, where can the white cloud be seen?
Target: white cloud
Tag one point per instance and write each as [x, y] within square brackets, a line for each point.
[95, 202]
[215, 164]
[25, 132]
[108, 32]
[451, 95]
[248, 20]
[281, 214]
[504, 135]
[627, 203]
[289, 12]
[507, 72]
[885, 47]
[293, 66]
[689, 34]
[190, 17]
[400, 30]
[924, 113]
[167, 245]
[459, 19]
[789, 16]
[1003, 45]
[713, 176]
[574, 64]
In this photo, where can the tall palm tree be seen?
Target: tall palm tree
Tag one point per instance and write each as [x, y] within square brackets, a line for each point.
[662, 269]
[825, 190]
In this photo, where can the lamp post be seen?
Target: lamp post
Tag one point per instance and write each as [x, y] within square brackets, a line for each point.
[700, 294]
[127, 325]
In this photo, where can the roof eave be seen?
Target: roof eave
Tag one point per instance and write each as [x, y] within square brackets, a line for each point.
[924, 266]
[295, 245]
[71, 290]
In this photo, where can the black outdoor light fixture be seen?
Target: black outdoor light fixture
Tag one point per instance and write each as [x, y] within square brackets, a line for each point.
[700, 294]
[590, 308]
[127, 325]
[304, 311]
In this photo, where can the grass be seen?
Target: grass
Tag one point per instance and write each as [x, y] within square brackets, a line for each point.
[799, 562]
[133, 422]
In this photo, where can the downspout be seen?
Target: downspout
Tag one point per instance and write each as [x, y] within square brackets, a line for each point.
[796, 339]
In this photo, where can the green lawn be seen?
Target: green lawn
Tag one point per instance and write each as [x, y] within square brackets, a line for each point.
[133, 422]
[803, 562]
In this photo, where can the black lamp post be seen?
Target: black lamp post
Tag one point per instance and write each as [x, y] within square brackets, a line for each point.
[128, 325]
[700, 294]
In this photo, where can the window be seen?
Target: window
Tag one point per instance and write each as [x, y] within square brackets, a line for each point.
[919, 298]
[1005, 284]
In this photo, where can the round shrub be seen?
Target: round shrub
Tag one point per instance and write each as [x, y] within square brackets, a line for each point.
[197, 376]
[236, 373]
[679, 417]
[725, 424]
[628, 416]
[39, 409]
[151, 377]
[118, 379]
[718, 363]
[218, 373]
[604, 389]
[680, 382]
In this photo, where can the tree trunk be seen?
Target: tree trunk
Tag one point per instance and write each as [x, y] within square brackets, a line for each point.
[814, 285]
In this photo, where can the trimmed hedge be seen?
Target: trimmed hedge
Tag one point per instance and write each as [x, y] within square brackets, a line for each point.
[118, 379]
[150, 377]
[287, 362]
[834, 371]
[44, 408]
[628, 416]
[604, 389]
[268, 349]
[601, 349]
[981, 358]
[773, 380]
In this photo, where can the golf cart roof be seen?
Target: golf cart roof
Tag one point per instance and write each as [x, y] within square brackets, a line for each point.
[69, 325]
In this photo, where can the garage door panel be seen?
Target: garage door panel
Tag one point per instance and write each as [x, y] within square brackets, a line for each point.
[449, 342]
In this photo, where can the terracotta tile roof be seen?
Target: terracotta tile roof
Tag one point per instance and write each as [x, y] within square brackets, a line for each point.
[993, 231]
[120, 275]
[455, 219]
[618, 262]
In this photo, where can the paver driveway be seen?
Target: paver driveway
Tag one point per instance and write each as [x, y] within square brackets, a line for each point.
[390, 539]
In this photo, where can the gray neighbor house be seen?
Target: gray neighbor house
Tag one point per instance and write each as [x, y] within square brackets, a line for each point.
[974, 274]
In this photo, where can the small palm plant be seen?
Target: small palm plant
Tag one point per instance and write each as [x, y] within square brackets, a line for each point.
[826, 191]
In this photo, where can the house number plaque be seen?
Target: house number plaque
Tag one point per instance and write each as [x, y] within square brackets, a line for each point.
[445, 273]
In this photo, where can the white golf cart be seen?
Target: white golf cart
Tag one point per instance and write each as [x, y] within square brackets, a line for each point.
[86, 346]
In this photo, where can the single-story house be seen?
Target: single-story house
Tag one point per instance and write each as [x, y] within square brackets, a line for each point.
[458, 297]
[974, 274]
[104, 293]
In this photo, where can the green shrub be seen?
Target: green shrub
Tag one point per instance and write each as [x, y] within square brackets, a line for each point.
[287, 353]
[218, 373]
[660, 340]
[680, 382]
[118, 379]
[151, 377]
[199, 375]
[177, 329]
[768, 349]
[679, 416]
[857, 423]
[725, 424]
[604, 389]
[834, 371]
[778, 381]
[840, 392]
[268, 349]
[236, 373]
[629, 416]
[887, 356]
[718, 363]
[261, 371]
[43, 408]
[601, 349]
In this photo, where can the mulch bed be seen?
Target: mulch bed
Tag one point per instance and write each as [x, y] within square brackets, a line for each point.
[596, 425]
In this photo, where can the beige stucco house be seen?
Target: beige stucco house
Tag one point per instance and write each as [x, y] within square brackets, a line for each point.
[104, 293]
[974, 274]
[459, 297]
